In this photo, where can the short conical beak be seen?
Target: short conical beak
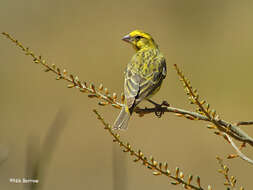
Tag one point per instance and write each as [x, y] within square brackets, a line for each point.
[127, 38]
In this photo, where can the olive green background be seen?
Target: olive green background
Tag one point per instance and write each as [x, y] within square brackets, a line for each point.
[210, 40]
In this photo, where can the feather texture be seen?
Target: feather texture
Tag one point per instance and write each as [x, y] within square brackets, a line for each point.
[144, 74]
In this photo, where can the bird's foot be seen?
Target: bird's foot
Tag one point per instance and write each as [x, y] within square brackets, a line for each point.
[159, 107]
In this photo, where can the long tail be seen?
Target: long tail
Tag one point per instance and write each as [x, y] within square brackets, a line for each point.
[122, 120]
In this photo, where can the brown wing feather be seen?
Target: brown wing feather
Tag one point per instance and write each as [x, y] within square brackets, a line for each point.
[132, 81]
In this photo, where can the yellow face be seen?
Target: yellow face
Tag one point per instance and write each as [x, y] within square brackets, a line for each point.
[140, 40]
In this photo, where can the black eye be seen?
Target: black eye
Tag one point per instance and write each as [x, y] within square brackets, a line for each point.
[137, 38]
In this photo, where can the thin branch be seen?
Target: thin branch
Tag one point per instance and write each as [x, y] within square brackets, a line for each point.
[210, 114]
[157, 167]
[239, 153]
[100, 93]
[238, 134]
[229, 180]
[244, 123]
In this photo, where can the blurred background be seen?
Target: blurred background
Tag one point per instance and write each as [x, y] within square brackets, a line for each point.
[210, 40]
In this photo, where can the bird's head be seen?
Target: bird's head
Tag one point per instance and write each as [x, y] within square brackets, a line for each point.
[140, 40]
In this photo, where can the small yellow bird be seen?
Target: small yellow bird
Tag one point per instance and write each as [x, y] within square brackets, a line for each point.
[144, 74]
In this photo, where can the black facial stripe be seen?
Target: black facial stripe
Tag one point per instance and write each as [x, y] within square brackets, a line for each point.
[137, 38]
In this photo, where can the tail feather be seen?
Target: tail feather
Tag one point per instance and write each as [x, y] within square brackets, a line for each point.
[122, 120]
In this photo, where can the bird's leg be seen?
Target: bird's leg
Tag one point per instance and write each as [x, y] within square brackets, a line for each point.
[159, 111]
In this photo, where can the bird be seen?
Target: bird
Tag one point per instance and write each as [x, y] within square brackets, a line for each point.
[144, 74]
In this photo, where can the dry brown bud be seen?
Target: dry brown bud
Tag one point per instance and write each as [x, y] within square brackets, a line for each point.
[165, 165]
[102, 103]
[190, 179]
[116, 106]
[106, 91]
[198, 181]
[156, 173]
[122, 98]
[100, 87]
[177, 172]
[114, 96]
[71, 85]
[231, 156]
[181, 175]
[155, 163]
[92, 87]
